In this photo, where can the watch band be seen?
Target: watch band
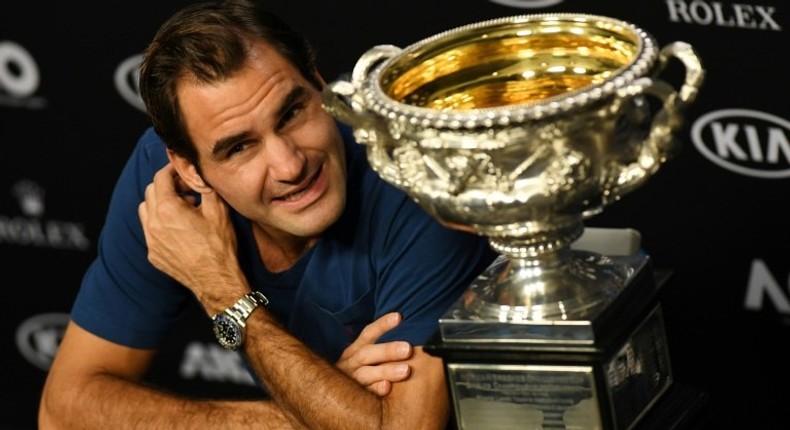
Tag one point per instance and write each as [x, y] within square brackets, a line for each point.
[229, 324]
[242, 309]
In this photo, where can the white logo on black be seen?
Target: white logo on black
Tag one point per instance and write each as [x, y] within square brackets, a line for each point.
[38, 337]
[737, 15]
[763, 287]
[744, 141]
[30, 197]
[19, 77]
[31, 229]
[127, 81]
[213, 363]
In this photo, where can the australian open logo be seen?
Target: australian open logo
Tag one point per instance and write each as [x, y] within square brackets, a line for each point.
[38, 338]
[127, 81]
[747, 142]
[19, 77]
[527, 4]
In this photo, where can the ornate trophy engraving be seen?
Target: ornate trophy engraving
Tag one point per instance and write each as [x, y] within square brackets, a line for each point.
[519, 129]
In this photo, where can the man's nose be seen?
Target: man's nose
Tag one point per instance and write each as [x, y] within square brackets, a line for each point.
[286, 161]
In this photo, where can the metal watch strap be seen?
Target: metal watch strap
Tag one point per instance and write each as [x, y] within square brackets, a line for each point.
[242, 309]
[229, 324]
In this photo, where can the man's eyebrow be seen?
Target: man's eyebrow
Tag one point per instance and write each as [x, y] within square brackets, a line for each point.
[224, 144]
[295, 94]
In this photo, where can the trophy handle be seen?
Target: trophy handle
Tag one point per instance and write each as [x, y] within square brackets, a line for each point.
[344, 100]
[660, 142]
[695, 74]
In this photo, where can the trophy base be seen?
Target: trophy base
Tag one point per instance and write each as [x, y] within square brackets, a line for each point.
[610, 378]
[681, 408]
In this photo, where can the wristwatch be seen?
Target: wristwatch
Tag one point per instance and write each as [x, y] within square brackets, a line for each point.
[229, 324]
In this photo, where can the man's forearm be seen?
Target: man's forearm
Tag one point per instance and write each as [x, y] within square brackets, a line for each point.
[313, 390]
[110, 402]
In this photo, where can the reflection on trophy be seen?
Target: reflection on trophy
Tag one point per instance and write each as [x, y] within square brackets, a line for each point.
[520, 129]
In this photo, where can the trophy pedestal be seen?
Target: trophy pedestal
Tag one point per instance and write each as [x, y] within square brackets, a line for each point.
[604, 372]
[681, 408]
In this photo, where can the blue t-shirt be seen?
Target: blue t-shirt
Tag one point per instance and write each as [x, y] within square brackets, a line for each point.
[384, 254]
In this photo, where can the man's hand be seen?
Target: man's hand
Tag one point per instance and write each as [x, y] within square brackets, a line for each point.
[377, 366]
[196, 245]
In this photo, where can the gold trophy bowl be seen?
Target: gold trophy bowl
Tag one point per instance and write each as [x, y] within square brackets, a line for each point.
[520, 129]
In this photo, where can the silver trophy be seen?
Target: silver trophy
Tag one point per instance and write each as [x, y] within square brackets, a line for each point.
[520, 129]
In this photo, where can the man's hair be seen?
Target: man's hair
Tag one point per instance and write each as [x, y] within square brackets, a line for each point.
[210, 42]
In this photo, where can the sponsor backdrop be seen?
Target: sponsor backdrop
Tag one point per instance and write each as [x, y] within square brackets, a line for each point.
[716, 214]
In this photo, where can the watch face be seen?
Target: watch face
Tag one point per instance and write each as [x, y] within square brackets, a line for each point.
[227, 331]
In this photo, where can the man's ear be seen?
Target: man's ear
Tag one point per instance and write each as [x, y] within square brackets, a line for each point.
[188, 173]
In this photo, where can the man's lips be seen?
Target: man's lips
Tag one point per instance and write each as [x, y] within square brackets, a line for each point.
[296, 195]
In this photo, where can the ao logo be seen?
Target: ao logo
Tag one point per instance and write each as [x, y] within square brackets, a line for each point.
[127, 81]
[527, 4]
[744, 141]
[38, 338]
[19, 75]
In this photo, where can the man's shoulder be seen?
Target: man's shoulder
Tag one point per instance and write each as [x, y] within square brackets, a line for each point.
[151, 146]
[149, 136]
[148, 156]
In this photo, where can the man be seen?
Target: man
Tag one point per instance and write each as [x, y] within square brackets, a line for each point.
[262, 205]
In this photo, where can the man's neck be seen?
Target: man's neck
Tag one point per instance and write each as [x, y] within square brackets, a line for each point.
[279, 253]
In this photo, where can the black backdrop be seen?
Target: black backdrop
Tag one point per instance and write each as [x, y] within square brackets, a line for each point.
[715, 214]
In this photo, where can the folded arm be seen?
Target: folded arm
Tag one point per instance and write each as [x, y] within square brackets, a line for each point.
[317, 395]
[94, 383]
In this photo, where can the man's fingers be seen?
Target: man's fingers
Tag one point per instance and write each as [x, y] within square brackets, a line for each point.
[166, 185]
[364, 351]
[380, 388]
[377, 328]
[144, 207]
[165, 180]
[212, 205]
[369, 363]
[373, 354]
[371, 375]
[180, 185]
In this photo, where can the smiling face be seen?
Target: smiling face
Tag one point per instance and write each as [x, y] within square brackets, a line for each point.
[267, 146]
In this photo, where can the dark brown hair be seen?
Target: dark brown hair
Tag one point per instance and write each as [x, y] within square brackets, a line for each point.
[210, 41]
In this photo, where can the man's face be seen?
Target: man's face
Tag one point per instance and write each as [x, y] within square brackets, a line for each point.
[267, 146]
